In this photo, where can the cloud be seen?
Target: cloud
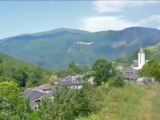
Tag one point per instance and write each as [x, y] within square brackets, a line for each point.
[118, 44]
[109, 6]
[120, 21]
[123, 43]
[117, 6]
[102, 23]
[151, 21]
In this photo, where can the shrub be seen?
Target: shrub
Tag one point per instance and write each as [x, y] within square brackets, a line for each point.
[117, 81]
[69, 104]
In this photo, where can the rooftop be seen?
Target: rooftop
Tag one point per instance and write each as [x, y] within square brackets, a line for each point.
[135, 63]
[33, 94]
[45, 87]
[68, 81]
[130, 74]
[141, 50]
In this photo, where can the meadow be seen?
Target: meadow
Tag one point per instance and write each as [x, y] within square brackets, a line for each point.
[131, 102]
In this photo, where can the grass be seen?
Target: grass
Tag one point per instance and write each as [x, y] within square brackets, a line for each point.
[144, 111]
[156, 104]
[120, 104]
[130, 103]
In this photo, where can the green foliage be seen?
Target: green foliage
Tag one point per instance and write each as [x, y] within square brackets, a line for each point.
[73, 68]
[53, 78]
[116, 81]
[23, 73]
[152, 69]
[102, 71]
[13, 106]
[119, 104]
[4, 79]
[34, 115]
[156, 104]
[127, 59]
[69, 104]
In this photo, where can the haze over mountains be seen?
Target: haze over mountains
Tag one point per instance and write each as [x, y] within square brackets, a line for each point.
[55, 49]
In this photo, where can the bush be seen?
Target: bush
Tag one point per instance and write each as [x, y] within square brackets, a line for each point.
[152, 69]
[69, 104]
[117, 81]
[13, 106]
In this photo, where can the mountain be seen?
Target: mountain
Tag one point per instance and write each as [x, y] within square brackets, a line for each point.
[150, 52]
[56, 48]
[154, 50]
[24, 74]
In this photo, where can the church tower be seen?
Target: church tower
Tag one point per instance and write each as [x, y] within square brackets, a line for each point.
[141, 59]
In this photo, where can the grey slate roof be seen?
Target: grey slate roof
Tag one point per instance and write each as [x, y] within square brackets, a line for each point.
[130, 74]
[68, 81]
[135, 63]
[45, 87]
[32, 94]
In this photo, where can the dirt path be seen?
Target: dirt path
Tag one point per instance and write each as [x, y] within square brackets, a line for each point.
[145, 108]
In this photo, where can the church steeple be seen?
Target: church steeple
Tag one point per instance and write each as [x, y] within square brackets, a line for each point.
[141, 58]
[141, 50]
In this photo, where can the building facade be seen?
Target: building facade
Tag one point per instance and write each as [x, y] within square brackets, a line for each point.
[138, 64]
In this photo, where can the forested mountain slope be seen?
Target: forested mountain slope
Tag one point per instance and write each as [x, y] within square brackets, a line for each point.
[24, 74]
[150, 52]
[55, 49]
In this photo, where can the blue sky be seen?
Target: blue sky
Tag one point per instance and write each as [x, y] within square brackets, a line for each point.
[21, 17]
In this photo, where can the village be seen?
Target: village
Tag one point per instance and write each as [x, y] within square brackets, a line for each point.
[131, 76]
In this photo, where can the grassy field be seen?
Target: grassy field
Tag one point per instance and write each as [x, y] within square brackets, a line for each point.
[130, 103]
[156, 104]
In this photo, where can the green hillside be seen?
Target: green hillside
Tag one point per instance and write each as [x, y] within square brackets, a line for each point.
[24, 74]
[57, 48]
[150, 52]
[155, 50]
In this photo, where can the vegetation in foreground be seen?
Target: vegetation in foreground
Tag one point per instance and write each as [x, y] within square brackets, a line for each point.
[152, 69]
[156, 105]
[91, 103]
[129, 103]
[13, 106]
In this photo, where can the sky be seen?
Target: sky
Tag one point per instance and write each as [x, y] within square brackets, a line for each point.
[21, 17]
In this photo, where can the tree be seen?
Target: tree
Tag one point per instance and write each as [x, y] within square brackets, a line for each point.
[12, 105]
[152, 69]
[58, 108]
[116, 81]
[53, 78]
[69, 104]
[102, 71]
[25, 74]
[75, 68]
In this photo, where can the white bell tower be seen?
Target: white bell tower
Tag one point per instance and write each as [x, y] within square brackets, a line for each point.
[141, 59]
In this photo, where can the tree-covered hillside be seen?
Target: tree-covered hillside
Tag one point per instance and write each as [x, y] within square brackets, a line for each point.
[23, 73]
[150, 52]
[55, 49]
